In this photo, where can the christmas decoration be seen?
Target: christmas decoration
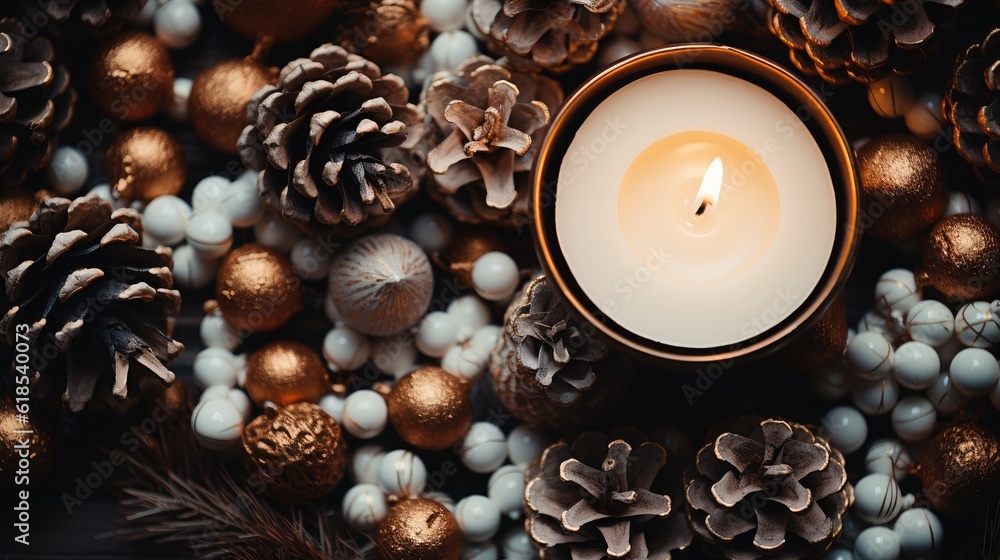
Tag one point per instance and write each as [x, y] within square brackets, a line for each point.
[285, 22]
[219, 97]
[18, 204]
[131, 76]
[418, 529]
[974, 89]
[143, 163]
[960, 258]
[94, 301]
[318, 139]
[767, 487]
[285, 372]
[459, 256]
[256, 288]
[823, 343]
[685, 21]
[549, 370]
[36, 439]
[430, 408]
[961, 468]
[70, 17]
[384, 31]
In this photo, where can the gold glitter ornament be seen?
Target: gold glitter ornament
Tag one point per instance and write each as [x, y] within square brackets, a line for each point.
[823, 343]
[17, 205]
[143, 163]
[40, 450]
[219, 97]
[386, 31]
[466, 248]
[296, 451]
[961, 258]
[283, 21]
[131, 76]
[285, 372]
[961, 468]
[257, 288]
[904, 189]
[430, 408]
[419, 529]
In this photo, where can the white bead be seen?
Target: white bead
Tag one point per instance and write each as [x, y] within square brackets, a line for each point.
[66, 171]
[920, 532]
[310, 260]
[103, 190]
[877, 543]
[479, 551]
[831, 382]
[191, 270]
[875, 397]
[444, 15]
[914, 418]
[217, 423]
[364, 507]
[214, 392]
[177, 24]
[440, 497]
[436, 334]
[923, 118]
[469, 313]
[214, 366]
[930, 322]
[365, 414]
[896, 290]
[974, 371]
[517, 545]
[165, 218]
[616, 49]
[345, 349]
[484, 448]
[461, 361]
[334, 406]
[207, 194]
[451, 48]
[525, 444]
[495, 276]
[846, 428]
[485, 339]
[878, 499]
[402, 474]
[364, 463]
[271, 230]
[506, 490]
[431, 231]
[945, 397]
[870, 355]
[977, 324]
[892, 96]
[241, 204]
[145, 16]
[242, 402]
[961, 203]
[215, 331]
[888, 457]
[839, 554]
[394, 355]
[892, 326]
[209, 233]
[177, 104]
[917, 365]
[478, 518]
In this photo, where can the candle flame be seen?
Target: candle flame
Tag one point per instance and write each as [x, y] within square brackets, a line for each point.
[711, 186]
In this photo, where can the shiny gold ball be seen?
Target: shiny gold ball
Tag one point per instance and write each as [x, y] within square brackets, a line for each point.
[962, 258]
[961, 468]
[430, 408]
[466, 248]
[822, 343]
[283, 21]
[419, 529]
[388, 32]
[904, 189]
[18, 203]
[285, 372]
[36, 457]
[131, 76]
[297, 451]
[219, 97]
[257, 289]
[143, 163]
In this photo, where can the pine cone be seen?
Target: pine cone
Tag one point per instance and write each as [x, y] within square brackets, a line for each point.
[861, 40]
[767, 488]
[596, 498]
[36, 101]
[88, 298]
[549, 370]
[320, 140]
[546, 34]
[485, 124]
[972, 105]
[65, 18]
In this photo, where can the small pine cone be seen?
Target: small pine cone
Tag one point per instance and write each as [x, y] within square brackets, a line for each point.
[545, 34]
[485, 124]
[767, 488]
[322, 137]
[549, 370]
[972, 106]
[861, 40]
[88, 298]
[65, 18]
[36, 101]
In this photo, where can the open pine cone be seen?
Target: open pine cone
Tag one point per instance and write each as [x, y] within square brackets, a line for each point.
[549, 370]
[485, 123]
[861, 40]
[36, 101]
[972, 106]
[321, 139]
[594, 497]
[767, 489]
[91, 302]
[65, 18]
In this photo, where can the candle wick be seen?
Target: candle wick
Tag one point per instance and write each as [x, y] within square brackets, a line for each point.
[701, 209]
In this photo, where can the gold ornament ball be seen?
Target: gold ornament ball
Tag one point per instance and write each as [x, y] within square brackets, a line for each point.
[285, 372]
[219, 97]
[298, 451]
[143, 163]
[823, 343]
[131, 76]
[962, 258]
[430, 408]
[41, 448]
[389, 32]
[961, 468]
[283, 21]
[419, 529]
[904, 189]
[257, 289]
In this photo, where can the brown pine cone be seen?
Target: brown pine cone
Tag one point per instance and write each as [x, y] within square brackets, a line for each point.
[767, 488]
[65, 18]
[91, 302]
[972, 106]
[321, 140]
[36, 101]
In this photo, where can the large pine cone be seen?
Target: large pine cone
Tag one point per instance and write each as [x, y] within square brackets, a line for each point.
[549, 370]
[36, 101]
[972, 105]
[65, 18]
[767, 489]
[861, 40]
[485, 124]
[546, 34]
[92, 302]
[594, 497]
[321, 140]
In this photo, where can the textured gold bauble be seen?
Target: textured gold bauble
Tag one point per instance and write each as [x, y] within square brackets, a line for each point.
[283, 21]
[143, 163]
[961, 468]
[257, 289]
[466, 248]
[298, 451]
[430, 408]
[37, 458]
[962, 258]
[419, 529]
[18, 203]
[387, 31]
[219, 97]
[821, 344]
[285, 372]
[131, 76]
[904, 189]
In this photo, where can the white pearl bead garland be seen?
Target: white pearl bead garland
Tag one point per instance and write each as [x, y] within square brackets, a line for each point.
[506, 489]
[436, 333]
[365, 414]
[310, 260]
[345, 349]
[878, 499]
[177, 104]
[920, 532]
[241, 203]
[896, 292]
[191, 270]
[525, 444]
[914, 418]
[870, 355]
[478, 518]
[334, 406]
[402, 474]
[217, 423]
[517, 545]
[469, 314]
[877, 543]
[484, 448]
[977, 324]
[444, 15]
[451, 48]
[177, 24]
[495, 276]
[432, 231]
[875, 397]
[273, 231]
[930, 322]
[216, 366]
[945, 397]
[364, 507]
[846, 428]
[165, 219]
[916, 365]
[961, 203]
[395, 355]
[479, 551]
[209, 234]
[923, 118]
[364, 462]
[888, 457]
[892, 96]
[974, 371]
[216, 332]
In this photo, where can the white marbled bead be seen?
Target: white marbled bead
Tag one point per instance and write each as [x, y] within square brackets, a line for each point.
[846, 428]
[217, 423]
[974, 371]
[103, 190]
[242, 401]
[177, 24]
[920, 532]
[191, 270]
[914, 418]
[839, 554]
[506, 489]
[215, 366]
[402, 474]
[961, 203]
[209, 234]
[870, 355]
[892, 96]
[345, 349]
[485, 339]
[877, 543]
[896, 291]
[364, 463]
[469, 313]
[464, 362]
[930, 322]
[207, 193]
[484, 448]
[916, 365]
[165, 218]
[923, 118]
[334, 406]
[945, 397]
[273, 231]
[495, 276]
[436, 333]
[878, 499]
[525, 444]
[66, 171]
[365, 414]
[888, 457]
[364, 507]
[977, 324]
[241, 204]
[478, 518]
[177, 104]
[517, 545]
[875, 397]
